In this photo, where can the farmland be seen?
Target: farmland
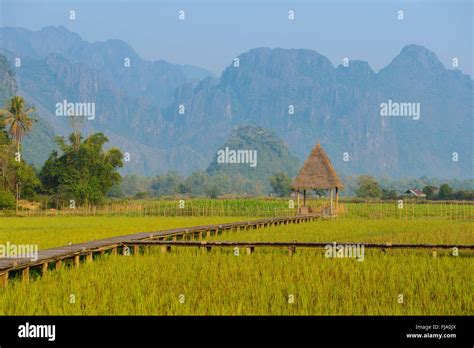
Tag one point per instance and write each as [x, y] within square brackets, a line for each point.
[221, 283]
[188, 281]
[263, 207]
[49, 232]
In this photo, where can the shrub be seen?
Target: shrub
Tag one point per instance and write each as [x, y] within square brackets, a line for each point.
[7, 200]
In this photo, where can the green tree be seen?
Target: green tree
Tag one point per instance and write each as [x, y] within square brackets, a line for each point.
[17, 117]
[464, 195]
[28, 180]
[217, 185]
[84, 172]
[115, 191]
[17, 176]
[389, 194]
[281, 184]
[445, 192]
[197, 182]
[429, 191]
[4, 139]
[368, 187]
[7, 201]
[212, 190]
[184, 188]
[167, 184]
[133, 184]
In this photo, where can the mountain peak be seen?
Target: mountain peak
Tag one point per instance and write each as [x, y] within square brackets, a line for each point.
[419, 57]
[356, 68]
[59, 30]
[278, 63]
[298, 54]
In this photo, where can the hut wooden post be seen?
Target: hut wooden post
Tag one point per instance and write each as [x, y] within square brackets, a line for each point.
[337, 201]
[330, 194]
[25, 274]
[304, 198]
[298, 200]
[4, 280]
[77, 261]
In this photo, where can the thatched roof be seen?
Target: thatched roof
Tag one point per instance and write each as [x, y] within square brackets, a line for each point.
[317, 173]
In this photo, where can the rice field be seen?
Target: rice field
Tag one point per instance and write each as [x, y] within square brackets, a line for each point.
[265, 207]
[50, 232]
[267, 282]
[365, 231]
[189, 282]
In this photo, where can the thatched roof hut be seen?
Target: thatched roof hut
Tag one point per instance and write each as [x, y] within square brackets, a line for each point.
[317, 173]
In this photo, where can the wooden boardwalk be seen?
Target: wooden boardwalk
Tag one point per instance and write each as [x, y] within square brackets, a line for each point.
[180, 237]
[85, 251]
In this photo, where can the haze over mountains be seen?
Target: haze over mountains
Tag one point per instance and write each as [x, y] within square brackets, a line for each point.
[138, 107]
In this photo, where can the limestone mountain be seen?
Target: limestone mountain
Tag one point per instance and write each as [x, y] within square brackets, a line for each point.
[115, 60]
[271, 156]
[341, 108]
[170, 116]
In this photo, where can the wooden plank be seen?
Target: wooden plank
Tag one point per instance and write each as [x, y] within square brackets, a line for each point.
[77, 261]
[25, 275]
[4, 279]
[165, 249]
[44, 268]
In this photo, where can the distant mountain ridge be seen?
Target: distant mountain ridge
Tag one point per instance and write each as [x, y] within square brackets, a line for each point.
[58, 65]
[142, 78]
[167, 119]
[340, 107]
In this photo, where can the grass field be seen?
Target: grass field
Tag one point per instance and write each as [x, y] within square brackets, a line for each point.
[265, 207]
[189, 282]
[363, 230]
[49, 232]
[221, 283]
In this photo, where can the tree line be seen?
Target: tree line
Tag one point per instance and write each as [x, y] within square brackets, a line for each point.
[200, 183]
[81, 172]
[368, 187]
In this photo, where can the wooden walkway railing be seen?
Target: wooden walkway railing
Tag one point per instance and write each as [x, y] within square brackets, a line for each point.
[249, 246]
[295, 244]
[85, 251]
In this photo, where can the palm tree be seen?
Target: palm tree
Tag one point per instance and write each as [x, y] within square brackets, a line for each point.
[20, 123]
[17, 118]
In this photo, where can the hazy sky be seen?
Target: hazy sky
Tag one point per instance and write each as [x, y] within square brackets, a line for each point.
[214, 32]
